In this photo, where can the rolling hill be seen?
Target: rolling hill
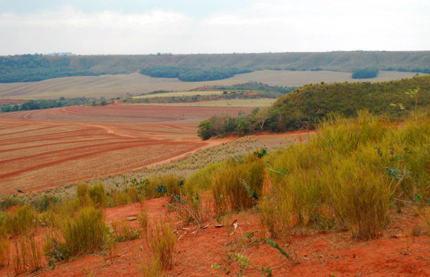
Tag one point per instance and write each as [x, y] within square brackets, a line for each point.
[203, 67]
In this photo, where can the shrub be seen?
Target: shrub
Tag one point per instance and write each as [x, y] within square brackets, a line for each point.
[98, 195]
[83, 232]
[233, 185]
[83, 192]
[162, 185]
[19, 220]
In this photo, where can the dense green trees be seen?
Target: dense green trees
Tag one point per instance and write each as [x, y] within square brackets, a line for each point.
[188, 74]
[306, 107]
[365, 73]
[46, 104]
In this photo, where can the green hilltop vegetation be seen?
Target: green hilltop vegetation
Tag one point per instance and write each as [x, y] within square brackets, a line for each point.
[203, 67]
[306, 107]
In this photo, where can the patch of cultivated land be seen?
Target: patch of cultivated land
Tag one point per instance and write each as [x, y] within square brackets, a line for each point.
[300, 78]
[45, 148]
[110, 86]
[180, 94]
[260, 103]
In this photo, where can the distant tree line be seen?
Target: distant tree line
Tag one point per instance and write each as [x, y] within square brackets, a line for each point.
[403, 69]
[306, 107]
[32, 68]
[29, 68]
[258, 86]
[365, 73]
[188, 74]
[49, 103]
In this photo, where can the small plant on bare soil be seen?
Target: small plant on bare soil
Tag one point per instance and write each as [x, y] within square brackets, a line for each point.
[188, 208]
[290, 254]
[234, 260]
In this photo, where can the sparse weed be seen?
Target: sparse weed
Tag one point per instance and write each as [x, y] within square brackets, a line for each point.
[162, 241]
[4, 251]
[27, 256]
[143, 220]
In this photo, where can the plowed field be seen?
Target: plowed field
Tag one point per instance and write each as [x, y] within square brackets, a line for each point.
[46, 148]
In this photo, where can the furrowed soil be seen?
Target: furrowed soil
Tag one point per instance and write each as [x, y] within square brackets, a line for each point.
[41, 149]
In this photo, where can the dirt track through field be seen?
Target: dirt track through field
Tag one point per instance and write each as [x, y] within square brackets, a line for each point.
[46, 148]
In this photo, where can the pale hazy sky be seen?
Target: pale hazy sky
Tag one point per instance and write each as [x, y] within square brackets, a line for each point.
[222, 26]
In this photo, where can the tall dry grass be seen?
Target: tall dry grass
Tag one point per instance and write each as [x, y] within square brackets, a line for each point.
[161, 242]
[350, 174]
[238, 184]
[83, 232]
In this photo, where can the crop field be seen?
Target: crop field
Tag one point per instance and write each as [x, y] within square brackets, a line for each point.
[46, 148]
[180, 94]
[110, 86]
[259, 103]
[300, 78]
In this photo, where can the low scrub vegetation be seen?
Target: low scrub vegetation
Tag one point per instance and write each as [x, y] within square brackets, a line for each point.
[306, 107]
[351, 173]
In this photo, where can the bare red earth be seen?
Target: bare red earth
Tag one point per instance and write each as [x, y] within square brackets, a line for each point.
[330, 254]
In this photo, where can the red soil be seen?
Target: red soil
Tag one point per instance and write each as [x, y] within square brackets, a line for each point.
[46, 148]
[329, 254]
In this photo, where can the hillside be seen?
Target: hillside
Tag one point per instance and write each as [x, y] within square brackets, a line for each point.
[200, 67]
[306, 107]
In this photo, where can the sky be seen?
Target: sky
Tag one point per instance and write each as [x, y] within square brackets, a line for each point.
[223, 26]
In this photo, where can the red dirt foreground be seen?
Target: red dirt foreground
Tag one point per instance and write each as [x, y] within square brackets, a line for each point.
[45, 148]
[399, 252]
